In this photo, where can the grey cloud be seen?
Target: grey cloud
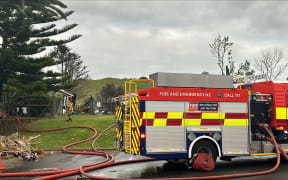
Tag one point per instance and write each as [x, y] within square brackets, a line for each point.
[170, 35]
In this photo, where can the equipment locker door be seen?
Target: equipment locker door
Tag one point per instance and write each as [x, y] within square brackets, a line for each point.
[235, 128]
[164, 130]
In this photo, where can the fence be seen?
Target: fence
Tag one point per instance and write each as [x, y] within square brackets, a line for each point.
[29, 108]
[33, 106]
[8, 125]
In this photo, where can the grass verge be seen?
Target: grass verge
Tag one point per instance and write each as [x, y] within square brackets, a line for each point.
[57, 139]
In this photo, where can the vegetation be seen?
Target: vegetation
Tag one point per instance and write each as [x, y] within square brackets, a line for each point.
[271, 64]
[108, 92]
[57, 139]
[27, 33]
[221, 48]
[23, 36]
[72, 68]
[245, 70]
[84, 89]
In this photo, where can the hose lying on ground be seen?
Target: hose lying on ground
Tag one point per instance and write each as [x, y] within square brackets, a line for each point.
[109, 160]
[200, 178]
[86, 167]
[62, 173]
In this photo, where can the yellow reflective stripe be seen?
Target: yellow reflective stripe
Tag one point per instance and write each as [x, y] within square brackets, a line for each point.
[235, 122]
[210, 115]
[262, 154]
[175, 115]
[120, 134]
[148, 115]
[160, 122]
[119, 113]
[222, 115]
[191, 122]
[281, 113]
[135, 100]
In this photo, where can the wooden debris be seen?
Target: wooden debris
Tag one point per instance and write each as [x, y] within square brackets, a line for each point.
[18, 145]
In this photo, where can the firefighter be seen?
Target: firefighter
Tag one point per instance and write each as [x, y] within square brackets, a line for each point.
[69, 108]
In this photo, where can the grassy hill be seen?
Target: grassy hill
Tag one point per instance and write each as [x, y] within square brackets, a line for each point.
[87, 88]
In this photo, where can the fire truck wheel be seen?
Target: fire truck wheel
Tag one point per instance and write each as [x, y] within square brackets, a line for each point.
[205, 146]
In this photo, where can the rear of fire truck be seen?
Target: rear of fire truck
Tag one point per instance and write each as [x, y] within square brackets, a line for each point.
[269, 102]
[187, 114]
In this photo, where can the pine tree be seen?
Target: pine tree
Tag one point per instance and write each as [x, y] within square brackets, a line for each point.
[24, 36]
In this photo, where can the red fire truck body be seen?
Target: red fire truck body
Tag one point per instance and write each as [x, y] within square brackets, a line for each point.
[277, 91]
[178, 122]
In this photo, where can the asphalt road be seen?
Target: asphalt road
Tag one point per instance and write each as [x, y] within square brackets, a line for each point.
[157, 169]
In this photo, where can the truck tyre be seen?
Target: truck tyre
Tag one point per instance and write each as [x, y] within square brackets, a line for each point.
[205, 146]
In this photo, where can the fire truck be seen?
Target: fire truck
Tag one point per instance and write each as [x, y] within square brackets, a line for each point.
[181, 115]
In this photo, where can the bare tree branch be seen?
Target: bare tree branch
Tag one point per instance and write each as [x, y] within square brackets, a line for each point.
[271, 64]
[220, 48]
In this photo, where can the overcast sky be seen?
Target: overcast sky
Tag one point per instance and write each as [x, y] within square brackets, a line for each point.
[136, 38]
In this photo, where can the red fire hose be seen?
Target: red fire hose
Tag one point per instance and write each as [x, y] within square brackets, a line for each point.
[272, 139]
[203, 162]
[109, 160]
